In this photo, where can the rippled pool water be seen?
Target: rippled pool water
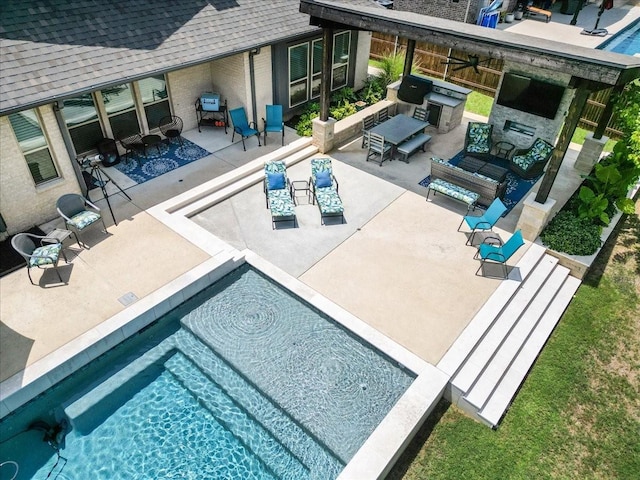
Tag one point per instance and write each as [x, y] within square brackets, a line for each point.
[244, 381]
[627, 41]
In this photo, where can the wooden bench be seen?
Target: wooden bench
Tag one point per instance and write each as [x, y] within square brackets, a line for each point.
[537, 11]
[407, 147]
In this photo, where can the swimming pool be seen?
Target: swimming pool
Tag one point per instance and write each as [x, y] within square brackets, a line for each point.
[627, 41]
[267, 387]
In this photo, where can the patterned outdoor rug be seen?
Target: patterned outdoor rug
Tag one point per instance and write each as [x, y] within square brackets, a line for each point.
[171, 156]
[517, 187]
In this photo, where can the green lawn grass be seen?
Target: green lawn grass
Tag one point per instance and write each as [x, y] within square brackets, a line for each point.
[577, 416]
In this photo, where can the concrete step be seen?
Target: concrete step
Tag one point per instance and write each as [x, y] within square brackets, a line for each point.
[502, 396]
[503, 357]
[275, 457]
[454, 358]
[495, 335]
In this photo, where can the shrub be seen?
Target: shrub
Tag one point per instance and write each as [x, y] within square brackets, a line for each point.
[571, 234]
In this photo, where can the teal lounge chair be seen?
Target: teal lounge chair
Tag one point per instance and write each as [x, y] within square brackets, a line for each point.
[324, 187]
[242, 126]
[278, 193]
[273, 123]
[498, 253]
[484, 222]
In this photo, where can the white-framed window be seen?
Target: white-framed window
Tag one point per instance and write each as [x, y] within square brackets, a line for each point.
[87, 126]
[155, 99]
[298, 74]
[33, 143]
[340, 67]
[81, 117]
[305, 67]
[316, 68]
[121, 111]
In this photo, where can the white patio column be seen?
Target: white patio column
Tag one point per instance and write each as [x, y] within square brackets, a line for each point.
[323, 134]
[590, 153]
[534, 216]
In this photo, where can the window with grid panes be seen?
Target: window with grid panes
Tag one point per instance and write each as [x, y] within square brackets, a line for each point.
[34, 146]
[155, 99]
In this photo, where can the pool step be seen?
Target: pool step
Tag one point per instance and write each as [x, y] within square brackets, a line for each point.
[277, 458]
[310, 451]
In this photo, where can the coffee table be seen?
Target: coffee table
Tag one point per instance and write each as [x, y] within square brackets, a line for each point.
[504, 149]
[151, 141]
[474, 165]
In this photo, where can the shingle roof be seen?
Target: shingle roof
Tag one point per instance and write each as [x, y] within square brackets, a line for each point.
[59, 47]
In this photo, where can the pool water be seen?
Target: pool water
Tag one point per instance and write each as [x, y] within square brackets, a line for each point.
[243, 381]
[627, 41]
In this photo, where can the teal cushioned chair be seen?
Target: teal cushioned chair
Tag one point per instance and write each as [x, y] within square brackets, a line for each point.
[498, 253]
[242, 126]
[530, 162]
[46, 254]
[324, 187]
[485, 221]
[273, 123]
[277, 193]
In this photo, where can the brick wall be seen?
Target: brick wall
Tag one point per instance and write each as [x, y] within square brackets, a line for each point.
[23, 204]
[185, 86]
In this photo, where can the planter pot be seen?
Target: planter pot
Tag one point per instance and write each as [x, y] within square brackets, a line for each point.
[360, 105]
[508, 18]
[518, 15]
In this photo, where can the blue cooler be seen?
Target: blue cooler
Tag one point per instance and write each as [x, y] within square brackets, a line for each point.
[210, 102]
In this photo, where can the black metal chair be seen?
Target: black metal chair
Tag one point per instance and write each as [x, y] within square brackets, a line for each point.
[132, 144]
[171, 127]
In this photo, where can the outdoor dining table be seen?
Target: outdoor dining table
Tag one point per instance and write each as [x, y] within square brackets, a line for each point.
[399, 128]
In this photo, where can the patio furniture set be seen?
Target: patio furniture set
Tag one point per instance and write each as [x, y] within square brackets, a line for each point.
[322, 187]
[492, 249]
[476, 181]
[385, 137]
[210, 113]
[41, 251]
[170, 126]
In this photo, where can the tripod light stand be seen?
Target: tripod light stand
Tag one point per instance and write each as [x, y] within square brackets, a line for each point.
[100, 178]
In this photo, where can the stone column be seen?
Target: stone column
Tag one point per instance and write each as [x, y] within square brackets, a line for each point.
[323, 134]
[534, 216]
[590, 153]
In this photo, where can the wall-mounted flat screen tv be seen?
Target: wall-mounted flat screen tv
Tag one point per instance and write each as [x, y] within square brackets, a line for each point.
[530, 95]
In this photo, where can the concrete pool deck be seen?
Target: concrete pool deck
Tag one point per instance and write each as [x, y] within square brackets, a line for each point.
[393, 246]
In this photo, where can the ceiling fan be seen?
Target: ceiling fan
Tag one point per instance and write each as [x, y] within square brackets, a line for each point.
[471, 61]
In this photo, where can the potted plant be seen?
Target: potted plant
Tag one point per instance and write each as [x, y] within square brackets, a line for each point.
[509, 17]
[519, 12]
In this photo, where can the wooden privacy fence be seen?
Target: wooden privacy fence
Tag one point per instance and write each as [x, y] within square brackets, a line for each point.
[430, 59]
